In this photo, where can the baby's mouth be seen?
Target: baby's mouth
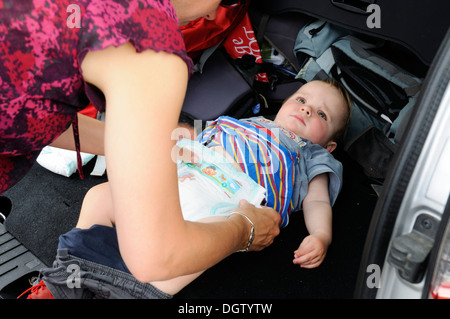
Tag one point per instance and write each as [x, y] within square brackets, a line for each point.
[299, 118]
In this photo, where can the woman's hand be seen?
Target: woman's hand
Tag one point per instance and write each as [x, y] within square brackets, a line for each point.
[266, 222]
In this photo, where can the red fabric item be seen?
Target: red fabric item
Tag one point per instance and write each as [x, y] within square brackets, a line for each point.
[242, 41]
[40, 291]
[90, 111]
[202, 33]
[233, 26]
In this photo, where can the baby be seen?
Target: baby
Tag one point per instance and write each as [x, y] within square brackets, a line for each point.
[290, 157]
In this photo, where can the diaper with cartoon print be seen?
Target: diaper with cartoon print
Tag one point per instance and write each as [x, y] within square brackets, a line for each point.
[212, 186]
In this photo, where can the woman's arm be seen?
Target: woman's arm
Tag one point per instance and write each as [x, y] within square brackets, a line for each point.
[91, 136]
[144, 94]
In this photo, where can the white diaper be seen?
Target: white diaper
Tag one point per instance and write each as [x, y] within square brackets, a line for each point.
[213, 187]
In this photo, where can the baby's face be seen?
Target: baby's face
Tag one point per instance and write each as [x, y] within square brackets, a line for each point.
[315, 112]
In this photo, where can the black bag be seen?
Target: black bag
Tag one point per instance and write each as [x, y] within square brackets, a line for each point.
[219, 89]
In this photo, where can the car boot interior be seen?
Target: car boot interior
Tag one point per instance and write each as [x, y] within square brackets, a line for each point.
[46, 205]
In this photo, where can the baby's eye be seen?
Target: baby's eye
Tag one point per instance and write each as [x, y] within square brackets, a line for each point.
[322, 115]
[301, 100]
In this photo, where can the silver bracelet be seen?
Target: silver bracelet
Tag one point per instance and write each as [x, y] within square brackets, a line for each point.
[252, 232]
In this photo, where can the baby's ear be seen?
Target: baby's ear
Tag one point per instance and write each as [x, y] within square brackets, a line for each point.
[331, 146]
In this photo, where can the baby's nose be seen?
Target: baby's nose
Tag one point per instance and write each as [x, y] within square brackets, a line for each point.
[306, 109]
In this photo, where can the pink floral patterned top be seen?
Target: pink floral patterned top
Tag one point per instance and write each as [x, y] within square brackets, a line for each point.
[42, 45]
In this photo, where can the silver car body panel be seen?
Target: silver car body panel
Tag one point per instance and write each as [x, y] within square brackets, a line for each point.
[427, 193]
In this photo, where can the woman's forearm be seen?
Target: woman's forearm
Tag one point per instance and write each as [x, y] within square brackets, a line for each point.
[92, 134]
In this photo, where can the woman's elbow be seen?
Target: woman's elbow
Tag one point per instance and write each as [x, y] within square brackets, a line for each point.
[148, 272]
[155, 267]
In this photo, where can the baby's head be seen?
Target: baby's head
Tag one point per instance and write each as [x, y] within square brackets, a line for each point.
[319, 111]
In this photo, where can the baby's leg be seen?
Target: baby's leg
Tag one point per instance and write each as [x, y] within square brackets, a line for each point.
[97, 208]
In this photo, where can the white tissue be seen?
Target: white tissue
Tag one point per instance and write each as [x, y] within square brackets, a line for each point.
[60, 161]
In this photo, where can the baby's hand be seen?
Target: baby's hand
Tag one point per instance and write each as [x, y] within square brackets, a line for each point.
[311, 251]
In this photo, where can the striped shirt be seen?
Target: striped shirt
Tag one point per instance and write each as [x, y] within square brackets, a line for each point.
[277, 159]
[259, 153]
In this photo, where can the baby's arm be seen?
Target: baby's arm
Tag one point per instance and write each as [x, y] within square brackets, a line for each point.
[318, 216]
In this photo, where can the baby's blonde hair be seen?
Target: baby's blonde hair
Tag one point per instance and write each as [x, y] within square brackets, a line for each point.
[340, 133]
